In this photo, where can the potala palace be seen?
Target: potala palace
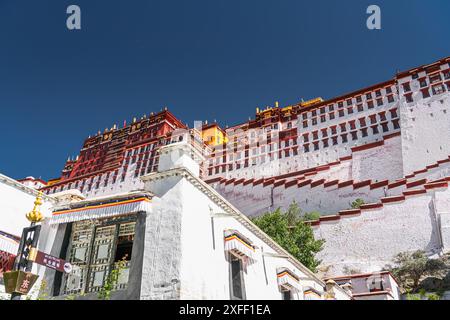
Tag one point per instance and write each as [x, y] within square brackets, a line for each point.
[176, 200]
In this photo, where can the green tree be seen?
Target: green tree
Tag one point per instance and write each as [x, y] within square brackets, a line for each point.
[112, 280]
[357, 203]
[410, 267]
[291, 232]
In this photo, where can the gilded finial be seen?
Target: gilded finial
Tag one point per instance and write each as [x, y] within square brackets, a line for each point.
[35, 215]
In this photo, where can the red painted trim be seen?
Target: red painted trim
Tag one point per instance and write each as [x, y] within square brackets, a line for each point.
[323, 168]
[393, 199]
[314, 223]
[436, 185]
[213, 180]
[397, 184]
[379, 184]
[369, 206]
[420, 171]
[255, 183]
[361, 184]
[392, 135]
[279, 183]
[229, 181]
[317, 183]
[239, 181]
[345, 184]
[416, 183]
[346, 158]
[330, 183]
[330, 218]
[268, 182]
[350, 212]
[248, 181]
[304, 183]
[290, 183]
[443, 161]
[414, 192]
[368, 146]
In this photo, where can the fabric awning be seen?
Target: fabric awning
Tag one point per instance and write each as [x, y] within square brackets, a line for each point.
[287, 280]
[104, 210]
[239, 245]
[312, 294]
[8, 244]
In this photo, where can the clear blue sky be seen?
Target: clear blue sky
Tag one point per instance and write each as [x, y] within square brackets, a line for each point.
[204, 59]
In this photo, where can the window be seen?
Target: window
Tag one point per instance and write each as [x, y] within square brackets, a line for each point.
[331, 107]
[349, 102]
[332, 116]
[438, 89]
[435, 78]
[237, 287]
[360, 108]
[406, 87]
[423, 82]
[305, 124]
[364, 132]
[306, 148]
[314, 121]
[362, 122]
[375, 130]
[390, 98]
[335, 140]
[341, 113]
[354, 135]
[350, 110]
[393, 113]
[409, 98]
[388, 90]
[315, 135]
[322, 118]
[368, 96]
[385, 127]
[370, 104]
[358, 99]
[316, 146]
[379, 102]
[425, 93]
[344, 138]
[447, 74]
[95, 248]
[305, 137]
[378, 93]
[396, 124]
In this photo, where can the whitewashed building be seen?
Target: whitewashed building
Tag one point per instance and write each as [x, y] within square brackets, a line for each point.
[179, 239]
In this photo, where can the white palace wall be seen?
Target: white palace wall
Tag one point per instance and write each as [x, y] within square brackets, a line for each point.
[368, 239]
[425, 132]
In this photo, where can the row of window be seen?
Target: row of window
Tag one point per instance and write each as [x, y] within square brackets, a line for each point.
[293, 150]
[360, 123]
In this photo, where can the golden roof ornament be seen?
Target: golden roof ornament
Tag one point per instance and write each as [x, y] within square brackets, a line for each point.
[35, 215]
